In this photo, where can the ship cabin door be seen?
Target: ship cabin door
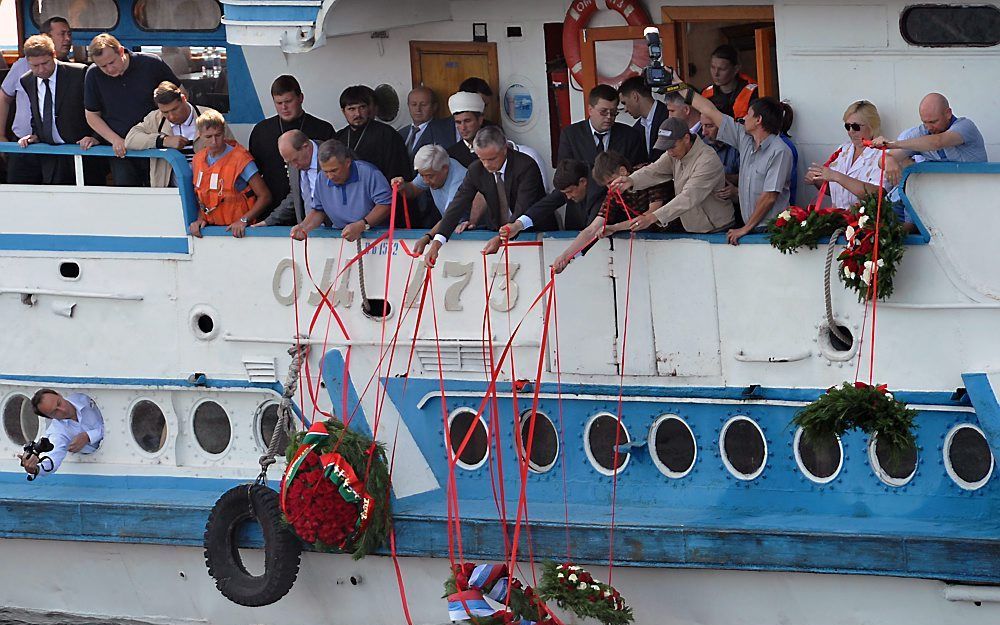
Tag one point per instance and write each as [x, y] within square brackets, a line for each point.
[443, 65]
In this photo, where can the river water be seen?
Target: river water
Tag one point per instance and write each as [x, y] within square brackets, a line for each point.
[10, 616]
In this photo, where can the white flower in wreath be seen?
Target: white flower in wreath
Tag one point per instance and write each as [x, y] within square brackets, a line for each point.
[595, 587]
[889, 396]
[786, 215]
[862, 221]
[847, 272]
[561, 575]
[576, 568]
[582, 586]
[849, 233]
[607, 593]
[881, 262]
[861, 209]
[866, 276]
[573, 577]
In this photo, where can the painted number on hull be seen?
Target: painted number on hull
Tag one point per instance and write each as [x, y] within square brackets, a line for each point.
[505, 290]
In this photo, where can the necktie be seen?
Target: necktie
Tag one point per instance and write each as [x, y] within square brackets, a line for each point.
[412, 140]
[504, 206]
[599, 136]
[306, 189]
[48, 116]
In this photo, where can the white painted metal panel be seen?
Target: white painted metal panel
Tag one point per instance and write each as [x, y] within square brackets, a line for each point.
[95, 211]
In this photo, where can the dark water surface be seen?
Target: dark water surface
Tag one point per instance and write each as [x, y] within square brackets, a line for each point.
[12, 616]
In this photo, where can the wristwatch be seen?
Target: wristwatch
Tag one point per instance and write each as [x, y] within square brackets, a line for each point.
[244, 220]
[368, 226]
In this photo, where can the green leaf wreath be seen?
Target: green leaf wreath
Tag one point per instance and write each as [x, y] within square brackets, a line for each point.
[576, 590]
[797, 227]
[368, 460]
[871, 409]
[857, 265]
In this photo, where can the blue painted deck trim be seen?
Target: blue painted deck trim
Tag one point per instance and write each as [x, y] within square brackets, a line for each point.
[93, 243]
[984, 399]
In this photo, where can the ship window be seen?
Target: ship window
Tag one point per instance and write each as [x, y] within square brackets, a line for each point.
[894, 470]
[267, 418]
[81, 14]
[819, 458]
[186, 15]
[673, 446]
[937, 25]
[19, 420]
[474, 454]
[202, 69]
[149, 427]
[211, 427]
[744, 450]
[544, 441]
[967, 457]
[603, 432]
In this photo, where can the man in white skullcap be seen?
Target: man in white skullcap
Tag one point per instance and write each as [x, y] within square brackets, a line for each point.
[467, 110]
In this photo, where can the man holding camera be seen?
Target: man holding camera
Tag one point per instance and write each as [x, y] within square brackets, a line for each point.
[76, 427]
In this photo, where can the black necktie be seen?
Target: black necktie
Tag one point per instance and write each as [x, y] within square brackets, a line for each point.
[412, 141]
[48, 116]
[599, 136]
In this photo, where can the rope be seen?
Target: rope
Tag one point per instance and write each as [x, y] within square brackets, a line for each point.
[361, 273]
[284, 421]
[834, 330]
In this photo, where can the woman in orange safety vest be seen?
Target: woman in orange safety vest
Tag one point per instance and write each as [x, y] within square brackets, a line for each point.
[229, 187]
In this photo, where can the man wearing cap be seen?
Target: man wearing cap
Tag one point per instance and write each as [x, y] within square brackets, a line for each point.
[583, 140]
[697, 173]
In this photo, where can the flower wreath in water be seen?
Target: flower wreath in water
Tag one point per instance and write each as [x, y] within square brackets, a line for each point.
[326, 498]
[871, 409]
[576, 590]
[470, 585]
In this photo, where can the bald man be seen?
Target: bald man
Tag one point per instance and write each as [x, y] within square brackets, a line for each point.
[299, 153]
[940, 137]
[426, 128]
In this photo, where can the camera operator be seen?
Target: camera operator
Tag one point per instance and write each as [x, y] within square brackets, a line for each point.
[76, 427]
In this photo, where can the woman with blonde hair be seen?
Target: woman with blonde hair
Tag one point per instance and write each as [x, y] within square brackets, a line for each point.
[854, 172]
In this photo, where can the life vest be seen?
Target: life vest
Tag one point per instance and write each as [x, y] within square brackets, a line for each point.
[741, 106]
[215, 186]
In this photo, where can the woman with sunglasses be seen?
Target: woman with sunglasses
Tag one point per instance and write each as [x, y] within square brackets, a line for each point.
[855, 171]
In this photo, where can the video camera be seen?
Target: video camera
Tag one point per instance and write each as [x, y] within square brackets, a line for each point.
[658, 77]
[43, 446]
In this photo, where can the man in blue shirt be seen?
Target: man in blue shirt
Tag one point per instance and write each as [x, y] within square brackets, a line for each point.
[435, 171]
[355, 195]
[77, 426]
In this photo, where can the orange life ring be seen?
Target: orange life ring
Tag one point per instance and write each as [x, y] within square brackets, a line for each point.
[577, 18]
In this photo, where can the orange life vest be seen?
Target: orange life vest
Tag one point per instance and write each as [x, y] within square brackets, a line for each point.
[215, 186]
[742, 104]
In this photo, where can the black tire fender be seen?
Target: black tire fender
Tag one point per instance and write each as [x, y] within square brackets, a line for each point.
[282, 549]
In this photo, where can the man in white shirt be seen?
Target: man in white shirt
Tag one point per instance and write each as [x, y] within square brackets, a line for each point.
[76, 426]
[301, 156]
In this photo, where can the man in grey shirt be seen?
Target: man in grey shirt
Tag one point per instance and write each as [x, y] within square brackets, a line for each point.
[765, 160]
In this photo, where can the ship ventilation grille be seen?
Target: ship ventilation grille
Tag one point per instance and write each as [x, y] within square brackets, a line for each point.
[261, 370]
[454, 357]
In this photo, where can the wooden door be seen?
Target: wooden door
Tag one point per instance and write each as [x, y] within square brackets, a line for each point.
[443, 65]
[767, 62]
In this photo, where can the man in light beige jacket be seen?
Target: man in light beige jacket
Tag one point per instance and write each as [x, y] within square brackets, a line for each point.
[697, 173]
[171, 125]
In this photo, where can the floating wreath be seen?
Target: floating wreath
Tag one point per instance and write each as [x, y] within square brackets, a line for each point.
[470, 585]
[857, 264]
[860, 406]
[326, 497]
[576, 590]
[797, 227]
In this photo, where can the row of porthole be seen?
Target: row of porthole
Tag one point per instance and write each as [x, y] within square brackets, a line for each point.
[742, 446]
[210, 424]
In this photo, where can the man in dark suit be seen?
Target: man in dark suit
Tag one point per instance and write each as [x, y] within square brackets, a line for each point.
[583, 140]
[648, 112]
[510, 181]
[371, 140]
[55, 92]
[426, 128]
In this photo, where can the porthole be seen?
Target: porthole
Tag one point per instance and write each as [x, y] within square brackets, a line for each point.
[477, 449]
[834, 348]
[204, 322]
[819, 458]
[743, 447]
[544, 441]
[672, 446]
[149, 427]
[940, 25]
[69, 270]
[600, 436]
[19, 420]
[967, 457]
[894, 471]
[211, 426]
[267, 417]
[387, 103]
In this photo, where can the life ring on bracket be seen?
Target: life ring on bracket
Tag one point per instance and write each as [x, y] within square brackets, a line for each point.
[577, 18]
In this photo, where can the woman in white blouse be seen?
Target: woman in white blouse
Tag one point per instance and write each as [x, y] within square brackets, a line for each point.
[855, 171]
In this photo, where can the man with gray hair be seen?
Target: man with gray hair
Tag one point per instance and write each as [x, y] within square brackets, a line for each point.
[435, 171]
[355, 195]
[510, 182]
[301, 156]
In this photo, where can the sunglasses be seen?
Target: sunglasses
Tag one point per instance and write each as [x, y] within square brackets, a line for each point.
[854, 127]
[740, 120]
